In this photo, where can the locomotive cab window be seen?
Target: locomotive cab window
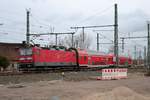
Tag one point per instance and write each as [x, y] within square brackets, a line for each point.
[26, 51]
[84, 58]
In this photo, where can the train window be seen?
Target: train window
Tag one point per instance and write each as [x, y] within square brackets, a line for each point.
[29, 51]
[109, 59]
[80, 57]
[89, 62]
[22, 52]
[126, 63]
[93, 62]
[26, 51]
[84, 58]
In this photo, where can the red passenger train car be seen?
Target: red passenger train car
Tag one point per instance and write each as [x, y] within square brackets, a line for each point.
[61, 57]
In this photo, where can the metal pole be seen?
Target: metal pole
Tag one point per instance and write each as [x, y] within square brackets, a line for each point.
[28, 28]
[145, 60]
[140, 57]
[148, 46]
[56, 40]
[116, 35]
[83, 34]
[122, 45]
[72, 41]
[135, 55]
[97, 42]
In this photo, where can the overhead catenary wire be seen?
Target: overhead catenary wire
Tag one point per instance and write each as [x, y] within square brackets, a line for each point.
[101, 12]
[37, 23]
[8, 20]
[12, 12]
[40, 22]
[105, 37]
[14, 27]
[7, 37]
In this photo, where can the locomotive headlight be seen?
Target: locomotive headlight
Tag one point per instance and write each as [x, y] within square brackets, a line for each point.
[29, 58]
[21, 58]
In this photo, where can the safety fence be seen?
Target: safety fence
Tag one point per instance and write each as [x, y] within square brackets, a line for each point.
[113, 73]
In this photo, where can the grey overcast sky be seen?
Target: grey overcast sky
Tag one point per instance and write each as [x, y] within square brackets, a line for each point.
[60, 15]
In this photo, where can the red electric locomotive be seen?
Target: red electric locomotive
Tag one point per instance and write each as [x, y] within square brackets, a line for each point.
[32, 58]
[39, 58]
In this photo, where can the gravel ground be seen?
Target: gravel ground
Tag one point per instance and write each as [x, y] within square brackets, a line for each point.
[75, 86]
[68, 76]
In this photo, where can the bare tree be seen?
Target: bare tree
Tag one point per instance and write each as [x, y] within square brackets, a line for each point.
[78, 41]
[84, 45]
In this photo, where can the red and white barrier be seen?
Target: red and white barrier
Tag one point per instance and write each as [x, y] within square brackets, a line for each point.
[113, 73]
[122, 73]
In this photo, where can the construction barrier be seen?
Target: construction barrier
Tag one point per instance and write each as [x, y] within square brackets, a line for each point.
[113, 73]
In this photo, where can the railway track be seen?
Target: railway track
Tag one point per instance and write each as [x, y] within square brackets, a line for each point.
[10, 73]
[53, 70]
[64, 69]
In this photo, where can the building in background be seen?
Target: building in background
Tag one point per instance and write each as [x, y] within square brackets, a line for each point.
[10, 51]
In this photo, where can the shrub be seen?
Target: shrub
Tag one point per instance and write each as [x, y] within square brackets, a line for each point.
[4, 62]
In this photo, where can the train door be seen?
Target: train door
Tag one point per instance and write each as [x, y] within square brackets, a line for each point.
[83, 60]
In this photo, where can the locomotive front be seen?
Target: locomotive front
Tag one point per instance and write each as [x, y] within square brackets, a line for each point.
[25, 58]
